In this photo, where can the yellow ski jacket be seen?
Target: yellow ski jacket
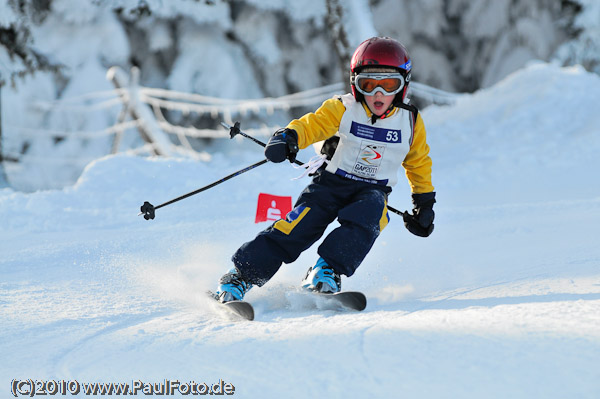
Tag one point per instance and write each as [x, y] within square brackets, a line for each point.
[325, 123]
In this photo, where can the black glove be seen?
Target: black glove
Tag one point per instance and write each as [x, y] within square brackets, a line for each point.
[282, 145]
[420, 223]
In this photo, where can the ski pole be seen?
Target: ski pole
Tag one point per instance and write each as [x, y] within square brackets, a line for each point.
[147, 209]
[235, 130]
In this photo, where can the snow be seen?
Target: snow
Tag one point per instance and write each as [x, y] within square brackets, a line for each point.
[7, 16]
[358, 21]
[585, 49]
[297, 11]
[503, 300]
[262, 44]
[196, 71]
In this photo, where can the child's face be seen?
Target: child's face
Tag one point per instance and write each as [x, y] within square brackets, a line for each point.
[379, 103]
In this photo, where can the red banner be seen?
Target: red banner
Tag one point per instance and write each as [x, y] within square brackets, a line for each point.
[272, 207]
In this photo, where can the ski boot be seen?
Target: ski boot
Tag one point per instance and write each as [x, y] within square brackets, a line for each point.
[232, 287]
[322, 278]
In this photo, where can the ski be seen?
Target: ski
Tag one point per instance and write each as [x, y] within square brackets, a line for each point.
[239, 308]
[354, 300]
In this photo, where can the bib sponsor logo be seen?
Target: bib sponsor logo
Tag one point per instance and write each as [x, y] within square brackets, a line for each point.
[369, 160]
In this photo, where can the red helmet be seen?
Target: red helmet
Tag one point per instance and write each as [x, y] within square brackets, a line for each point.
[381, 52]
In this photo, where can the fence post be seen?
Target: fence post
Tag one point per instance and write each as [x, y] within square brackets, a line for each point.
[147, 125]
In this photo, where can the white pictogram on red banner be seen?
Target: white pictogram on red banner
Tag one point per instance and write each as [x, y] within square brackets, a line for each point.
[272, 207]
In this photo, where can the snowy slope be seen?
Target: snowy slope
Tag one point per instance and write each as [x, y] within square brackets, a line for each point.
[503, 300]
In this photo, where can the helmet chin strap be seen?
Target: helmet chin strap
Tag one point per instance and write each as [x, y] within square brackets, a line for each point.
[374, 117]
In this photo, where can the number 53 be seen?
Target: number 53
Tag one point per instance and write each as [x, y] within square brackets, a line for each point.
[392, 135]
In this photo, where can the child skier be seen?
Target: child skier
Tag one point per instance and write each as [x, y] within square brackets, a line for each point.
[378, 132]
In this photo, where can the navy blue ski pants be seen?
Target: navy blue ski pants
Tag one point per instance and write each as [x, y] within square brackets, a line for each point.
[360, 208]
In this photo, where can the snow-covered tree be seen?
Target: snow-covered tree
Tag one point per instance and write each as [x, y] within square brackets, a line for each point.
[18, 57]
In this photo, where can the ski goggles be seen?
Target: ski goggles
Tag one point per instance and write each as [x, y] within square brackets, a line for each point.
[386, 83]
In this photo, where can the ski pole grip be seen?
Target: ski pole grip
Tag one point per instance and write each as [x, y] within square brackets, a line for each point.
[147, 210]
[234, 130]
